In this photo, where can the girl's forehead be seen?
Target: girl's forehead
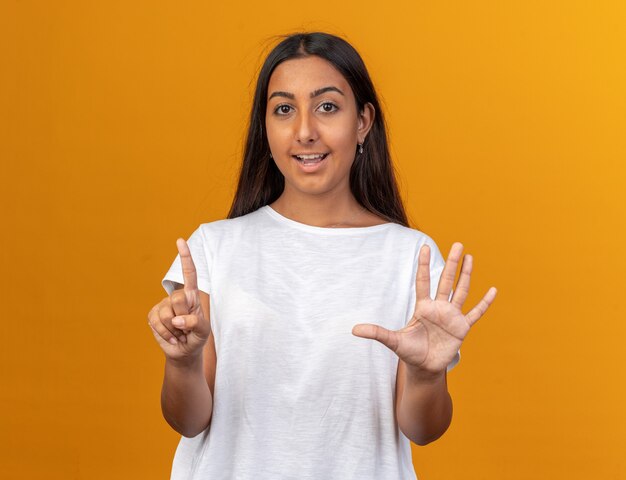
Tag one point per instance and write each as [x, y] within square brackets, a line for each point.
[308, 73]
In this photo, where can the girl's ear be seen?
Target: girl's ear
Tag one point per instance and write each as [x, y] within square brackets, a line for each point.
[366, 120]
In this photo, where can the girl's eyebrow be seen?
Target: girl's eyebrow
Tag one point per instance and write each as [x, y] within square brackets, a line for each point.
[314, 94]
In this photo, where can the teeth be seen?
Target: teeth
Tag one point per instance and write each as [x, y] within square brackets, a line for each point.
[310, 157]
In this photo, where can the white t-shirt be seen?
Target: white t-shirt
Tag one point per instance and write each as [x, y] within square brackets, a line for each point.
[297, 395]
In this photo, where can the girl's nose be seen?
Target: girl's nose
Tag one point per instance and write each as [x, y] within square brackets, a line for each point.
[306, 130]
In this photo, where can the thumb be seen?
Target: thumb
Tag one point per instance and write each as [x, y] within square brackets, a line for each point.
[375, 332]
[192, 323]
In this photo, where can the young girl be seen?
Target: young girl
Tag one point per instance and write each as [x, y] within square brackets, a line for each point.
[308, 335]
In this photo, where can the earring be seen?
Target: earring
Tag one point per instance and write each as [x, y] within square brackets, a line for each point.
[360, 147]
[271, 155]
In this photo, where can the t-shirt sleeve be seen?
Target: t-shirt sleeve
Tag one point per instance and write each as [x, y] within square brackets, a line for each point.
[437, 263]
[201, 255]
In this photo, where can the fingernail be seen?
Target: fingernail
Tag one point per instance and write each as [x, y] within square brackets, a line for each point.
[178, 322]
[173, 341]
[183, 339]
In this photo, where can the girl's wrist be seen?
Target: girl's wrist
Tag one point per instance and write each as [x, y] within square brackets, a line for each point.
[187, 362]
[421, 376]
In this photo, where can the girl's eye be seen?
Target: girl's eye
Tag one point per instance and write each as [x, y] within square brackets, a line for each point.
[282, 109]
[328, 107]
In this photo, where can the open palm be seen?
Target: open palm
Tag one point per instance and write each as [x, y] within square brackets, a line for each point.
[432, 337]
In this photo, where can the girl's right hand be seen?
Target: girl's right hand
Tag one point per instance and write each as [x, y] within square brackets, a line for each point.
[178, 321]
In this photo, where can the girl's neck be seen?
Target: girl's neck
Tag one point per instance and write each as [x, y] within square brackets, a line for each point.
[321, 211]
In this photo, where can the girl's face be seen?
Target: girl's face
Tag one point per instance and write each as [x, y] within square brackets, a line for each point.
[311, 111]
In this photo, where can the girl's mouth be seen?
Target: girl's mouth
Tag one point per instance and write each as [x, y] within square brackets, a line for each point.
[310, 159]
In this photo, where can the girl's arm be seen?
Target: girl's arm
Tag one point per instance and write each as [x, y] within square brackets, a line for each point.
[423, 404]
[188, 385]
[181, 325]
[427, 345]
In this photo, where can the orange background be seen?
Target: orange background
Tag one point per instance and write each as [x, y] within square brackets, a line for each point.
[121, 129]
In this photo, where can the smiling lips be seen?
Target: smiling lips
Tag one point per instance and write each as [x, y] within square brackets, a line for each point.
[310, 158]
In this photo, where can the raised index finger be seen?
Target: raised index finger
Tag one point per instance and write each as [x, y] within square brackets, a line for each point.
[189, 269]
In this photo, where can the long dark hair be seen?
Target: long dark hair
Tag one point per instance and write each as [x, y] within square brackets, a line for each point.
[372, 179]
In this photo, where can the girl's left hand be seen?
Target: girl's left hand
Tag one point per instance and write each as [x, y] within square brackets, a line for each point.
[431, 339]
